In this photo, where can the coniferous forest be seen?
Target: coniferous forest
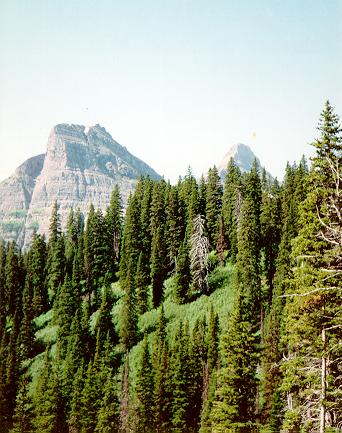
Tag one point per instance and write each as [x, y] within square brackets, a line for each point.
[203, 308]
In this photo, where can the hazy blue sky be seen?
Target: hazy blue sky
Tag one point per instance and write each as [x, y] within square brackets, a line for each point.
[176, 81]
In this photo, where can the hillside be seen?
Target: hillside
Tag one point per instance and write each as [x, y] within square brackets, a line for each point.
[205, 309]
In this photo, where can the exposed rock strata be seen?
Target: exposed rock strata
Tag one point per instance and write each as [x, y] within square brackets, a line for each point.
[81, 166]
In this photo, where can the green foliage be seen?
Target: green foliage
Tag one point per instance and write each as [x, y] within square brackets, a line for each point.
[183, 276]
[242, 338]
[230, 207]
[213, 204]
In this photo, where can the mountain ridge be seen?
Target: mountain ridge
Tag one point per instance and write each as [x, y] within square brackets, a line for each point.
[81, 166]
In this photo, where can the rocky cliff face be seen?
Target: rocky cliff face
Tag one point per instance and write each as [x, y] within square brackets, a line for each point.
[81, 166]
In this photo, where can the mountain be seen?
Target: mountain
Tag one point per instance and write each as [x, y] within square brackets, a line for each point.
[81, 166]
[243, 157]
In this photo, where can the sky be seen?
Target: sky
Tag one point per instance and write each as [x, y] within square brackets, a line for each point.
[177, 82]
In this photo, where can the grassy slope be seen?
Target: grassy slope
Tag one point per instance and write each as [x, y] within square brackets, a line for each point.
[221, 298]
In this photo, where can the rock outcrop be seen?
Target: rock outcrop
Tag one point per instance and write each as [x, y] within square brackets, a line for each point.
[81, 166]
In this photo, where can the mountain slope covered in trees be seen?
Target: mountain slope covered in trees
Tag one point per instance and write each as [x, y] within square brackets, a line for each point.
[208, 308]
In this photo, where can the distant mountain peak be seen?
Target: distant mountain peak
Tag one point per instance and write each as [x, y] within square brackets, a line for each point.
[243, 157]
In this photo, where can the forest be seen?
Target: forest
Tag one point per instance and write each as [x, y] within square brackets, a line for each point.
[205, 307]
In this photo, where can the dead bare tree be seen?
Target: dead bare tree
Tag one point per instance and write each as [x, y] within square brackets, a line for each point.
[199, 255]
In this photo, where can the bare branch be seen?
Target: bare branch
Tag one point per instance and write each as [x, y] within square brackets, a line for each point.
[310, 292]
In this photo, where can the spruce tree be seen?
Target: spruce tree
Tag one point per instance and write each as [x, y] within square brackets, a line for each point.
[108, 414]
[231, 200]
[158, 265]
[36, 275]
[23, 414]
[114, 222]
[213, 204]
[144, 390]
[313, 311]
[48, 402]
[128, 328]
[142, 278]
[175, 225]
[183, 276]
[236, 389]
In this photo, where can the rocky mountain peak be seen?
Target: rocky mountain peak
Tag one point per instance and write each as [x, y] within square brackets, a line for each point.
[241, 154]
[81, 166]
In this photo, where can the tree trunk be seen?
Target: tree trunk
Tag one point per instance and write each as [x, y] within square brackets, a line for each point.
[323, 385]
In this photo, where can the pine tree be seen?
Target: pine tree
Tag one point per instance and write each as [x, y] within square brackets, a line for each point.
[162, 397]
[235, 397]
[158, 265]
[91, 396]
[142, 278]
[75, 355]
[183, 276]
[175, 225]
[252, 192]
[248, 262]
[108, 414]
[213, 204]
[313, 311]
[144, 390]
[270, 233]
[231, 200]
[131, 245]
[36, 275]
[75, 414]
[197, 359]
[65, 308]
[128, 328]
[48, 402]
[179, 370]
[23, 414]
[71, 239]
[13, 288]
[114, 223]
[56, 267]
[209, 371]
[213, 334]
[221, 242]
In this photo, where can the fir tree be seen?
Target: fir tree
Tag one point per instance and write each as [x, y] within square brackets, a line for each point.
[312, 300]
[235, 397]
[48, 402]
[128, 329]
[142, 278]
[108, 414]
[213, 204]
[114, 223]
[231, 205]
[144, 390]
[183, 276]
[158, 265]
[23, 414]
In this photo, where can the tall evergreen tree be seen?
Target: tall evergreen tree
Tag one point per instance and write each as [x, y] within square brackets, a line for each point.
[231, 200]
[313, 309]
[108, 414]
[213, 204]
[144, 390]
[183, 276]
[128, 328]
